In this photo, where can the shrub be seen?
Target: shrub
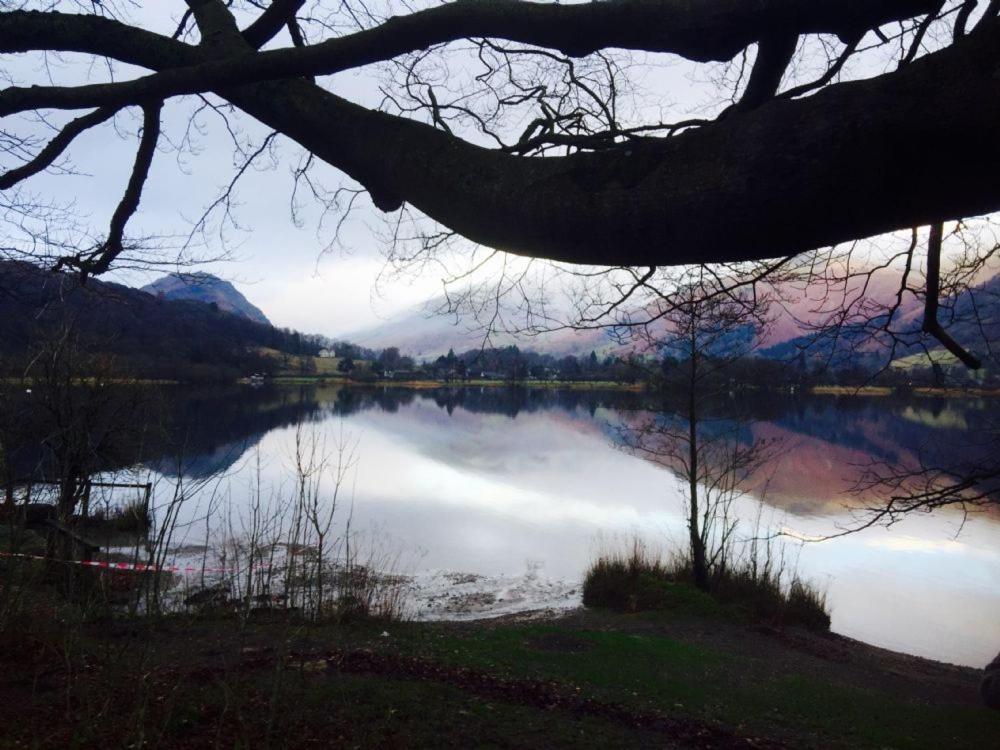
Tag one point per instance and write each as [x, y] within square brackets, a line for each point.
[132, 517]
[626, 582]
[807, 605]
[638, 580]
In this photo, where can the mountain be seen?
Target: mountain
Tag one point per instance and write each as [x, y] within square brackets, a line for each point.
[151, 336]
[425, 335]
[203, 287]
[973, 320]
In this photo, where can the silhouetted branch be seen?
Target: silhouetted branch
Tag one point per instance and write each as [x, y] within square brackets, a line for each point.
[279, 13]
[99, 260]
[47, 156]
[931, 324]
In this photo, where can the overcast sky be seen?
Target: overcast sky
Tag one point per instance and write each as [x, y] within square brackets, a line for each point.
[280, 267]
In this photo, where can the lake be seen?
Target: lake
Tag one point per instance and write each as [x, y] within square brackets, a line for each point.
[495, 500]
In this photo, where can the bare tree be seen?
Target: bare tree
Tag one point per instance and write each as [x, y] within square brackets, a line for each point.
[707, 334]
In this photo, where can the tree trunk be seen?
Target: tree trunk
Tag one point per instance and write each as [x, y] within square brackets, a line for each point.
[699, 565]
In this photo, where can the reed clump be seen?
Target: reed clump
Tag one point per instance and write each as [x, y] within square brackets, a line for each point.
[638, 579]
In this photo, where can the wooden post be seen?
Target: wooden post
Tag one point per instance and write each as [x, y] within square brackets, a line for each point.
[86, 499]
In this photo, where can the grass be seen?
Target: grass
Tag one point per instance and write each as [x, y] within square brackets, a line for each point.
[637, 580]
[736, 683]
[305, 366]
[592, 679]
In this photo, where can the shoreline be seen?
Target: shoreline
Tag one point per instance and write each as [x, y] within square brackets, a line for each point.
[576, 385]
[817, 390]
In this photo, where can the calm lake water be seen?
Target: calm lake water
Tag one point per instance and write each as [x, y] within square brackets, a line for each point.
[517, 490]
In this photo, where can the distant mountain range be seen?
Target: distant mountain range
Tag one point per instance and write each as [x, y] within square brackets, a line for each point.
[425, 335]
[203, 287]
[199, 318]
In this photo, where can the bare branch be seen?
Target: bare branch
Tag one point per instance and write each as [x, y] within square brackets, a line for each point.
[99, 260]
[47, 156]
[931, 324]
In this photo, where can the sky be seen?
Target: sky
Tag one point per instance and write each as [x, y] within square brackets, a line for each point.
[286, 270]
[283, 268]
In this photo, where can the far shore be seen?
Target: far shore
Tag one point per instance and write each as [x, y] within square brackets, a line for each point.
[602, 385]
[607, 385]
[868, 391]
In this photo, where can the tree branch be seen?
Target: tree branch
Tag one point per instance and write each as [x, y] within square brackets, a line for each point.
[711, 30]
[918, 38]
[932, 325]
[99, 260]
[278, 14]
[773, 56]
[828, 76]
[217, 25]
[47, 156]
[27, 31]
[962, 19]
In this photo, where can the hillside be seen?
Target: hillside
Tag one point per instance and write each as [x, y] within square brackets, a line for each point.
[203, 287]
[152, 336]
[424, 335]
[972, 320]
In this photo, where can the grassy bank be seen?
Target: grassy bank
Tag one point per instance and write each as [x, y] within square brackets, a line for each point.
[683, 677]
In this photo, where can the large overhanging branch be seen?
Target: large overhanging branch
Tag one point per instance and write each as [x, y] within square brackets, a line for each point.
[854, 160]
[771, 178]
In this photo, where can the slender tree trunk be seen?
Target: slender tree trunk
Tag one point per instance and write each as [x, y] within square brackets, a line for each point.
[698, 563]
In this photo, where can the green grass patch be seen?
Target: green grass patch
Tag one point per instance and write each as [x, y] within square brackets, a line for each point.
[738, 686]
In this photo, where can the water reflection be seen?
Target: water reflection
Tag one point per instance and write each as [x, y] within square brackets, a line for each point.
[495, 482]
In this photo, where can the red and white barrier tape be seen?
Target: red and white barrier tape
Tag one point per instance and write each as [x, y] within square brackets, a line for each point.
[134, 567]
